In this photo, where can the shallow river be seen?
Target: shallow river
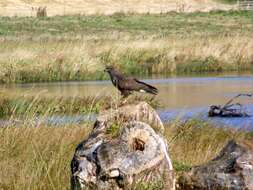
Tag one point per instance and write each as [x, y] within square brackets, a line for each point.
[182, 97]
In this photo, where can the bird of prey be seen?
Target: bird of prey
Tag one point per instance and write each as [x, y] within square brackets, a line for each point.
[126, 85]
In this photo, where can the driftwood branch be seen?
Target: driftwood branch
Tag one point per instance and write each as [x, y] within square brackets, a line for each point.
[237, 96]
[229, 109]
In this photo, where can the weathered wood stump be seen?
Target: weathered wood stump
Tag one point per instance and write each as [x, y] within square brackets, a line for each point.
[124, 149]
[232, 169]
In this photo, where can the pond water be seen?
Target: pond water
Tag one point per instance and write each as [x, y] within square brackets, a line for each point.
[181, 97]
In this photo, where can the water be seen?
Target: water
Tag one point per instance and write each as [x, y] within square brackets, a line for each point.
[245, 123]
[184, 97]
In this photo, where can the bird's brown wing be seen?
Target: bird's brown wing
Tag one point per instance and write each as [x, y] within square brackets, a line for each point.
[128, 84]
[131, 84]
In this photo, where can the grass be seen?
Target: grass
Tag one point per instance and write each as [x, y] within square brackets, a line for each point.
[39, 158]
[30, 107]
[195, 142]
[60, 7]
[181, 24]
[76, 47]
[113, 130]
[26, 107]
[64, 48]
[227, 1]
[149, 186]
[67, 48]
[181, 166]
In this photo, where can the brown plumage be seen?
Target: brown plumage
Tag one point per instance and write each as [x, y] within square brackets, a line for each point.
[126, 85]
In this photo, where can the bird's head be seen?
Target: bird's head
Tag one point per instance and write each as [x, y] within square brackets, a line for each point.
[108, 69]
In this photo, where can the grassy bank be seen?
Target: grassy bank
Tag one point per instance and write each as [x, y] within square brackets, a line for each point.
[39, 158]
[30, 107]
[24, 107]
[64, 48]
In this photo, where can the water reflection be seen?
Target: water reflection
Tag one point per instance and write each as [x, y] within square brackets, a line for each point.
[173, 92]
[178, 95]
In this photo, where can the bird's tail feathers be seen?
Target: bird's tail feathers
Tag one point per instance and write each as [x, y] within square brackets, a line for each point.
[151, 90]
[148, 88]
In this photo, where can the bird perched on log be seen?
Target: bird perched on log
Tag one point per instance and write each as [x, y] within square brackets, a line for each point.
[126, 85]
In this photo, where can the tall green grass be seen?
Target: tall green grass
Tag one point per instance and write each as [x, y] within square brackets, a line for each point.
[30, 107]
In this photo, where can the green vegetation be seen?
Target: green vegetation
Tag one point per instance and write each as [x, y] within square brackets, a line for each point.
[113, 130]
[179, 24]
[64, 48]
[181, 167]
[30, 107]
[228, 1]
[149, 186]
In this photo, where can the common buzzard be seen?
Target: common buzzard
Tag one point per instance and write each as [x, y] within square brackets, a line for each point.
[126, 85]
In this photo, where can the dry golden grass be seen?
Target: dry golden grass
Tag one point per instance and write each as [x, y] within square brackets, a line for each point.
[228, 53]
[78, 47]
[39, 158]
[62, 7]
[84, 59]
[194, 142]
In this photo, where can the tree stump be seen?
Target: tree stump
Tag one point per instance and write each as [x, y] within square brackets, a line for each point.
[123, 152]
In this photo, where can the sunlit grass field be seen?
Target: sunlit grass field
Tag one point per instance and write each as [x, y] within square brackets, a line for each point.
[64, 48]
[39, 157]
[68, 48]
[108, 7]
